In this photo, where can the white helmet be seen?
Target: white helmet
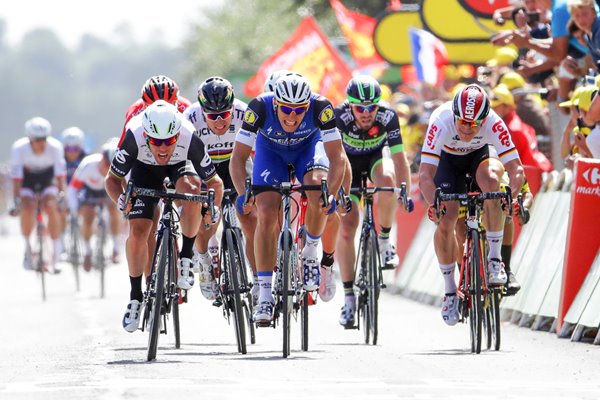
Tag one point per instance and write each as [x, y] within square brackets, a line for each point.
[38, 128]
[272, 79]
[292, 88]
[161, 120]
[109, 149]
[73, 136]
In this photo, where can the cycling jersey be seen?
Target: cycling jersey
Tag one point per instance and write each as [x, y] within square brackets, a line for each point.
[442, 137]
[37, 170]
[276, 148]
[72, 165]
[385, 130]
[219, 147]
[87, 181]
[138, 106]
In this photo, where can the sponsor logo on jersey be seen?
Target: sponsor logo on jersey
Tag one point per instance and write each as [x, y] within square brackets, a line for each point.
[431, 136]
[374, 131]
[139, 203]
[327, 114]
[121, 156]
[250, 117]
[503, 134]
[205, 161]
[219, 145]
[394, 134]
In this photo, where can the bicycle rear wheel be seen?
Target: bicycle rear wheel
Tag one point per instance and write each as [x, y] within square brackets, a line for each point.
[156, 298]
[476, 294]
[363, 293]
[100, 261]
[245, 287]
[232, 261]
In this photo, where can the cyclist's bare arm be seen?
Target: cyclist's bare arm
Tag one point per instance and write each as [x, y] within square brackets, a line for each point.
[237, 166]
[402, 169]
[114, 186]
[337, 164]
[217, 184]
[516, 175]
[426, 184]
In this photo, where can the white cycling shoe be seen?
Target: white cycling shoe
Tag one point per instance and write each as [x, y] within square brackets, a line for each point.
[327, 284]
[186, 275]
[131, 319]
[496, 273]
[450, 309]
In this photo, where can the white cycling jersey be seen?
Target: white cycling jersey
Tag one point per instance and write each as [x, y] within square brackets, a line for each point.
[24, 160]
[219, 147]
[441, 136]
[88, 173]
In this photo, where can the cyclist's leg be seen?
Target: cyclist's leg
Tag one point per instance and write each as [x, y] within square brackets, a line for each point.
[88, 214]
[27, 220]
[346, 260]
[51, 209]
[488, 176]
[382, 174]
[115, 221]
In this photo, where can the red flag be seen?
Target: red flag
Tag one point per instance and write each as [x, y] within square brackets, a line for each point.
[358, 30]
[309, 53]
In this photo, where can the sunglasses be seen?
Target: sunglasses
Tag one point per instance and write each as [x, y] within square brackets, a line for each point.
[288, 110]
[213, 116]
[40, 139]
[72, 149]
[160, 142]
[361, 108]
[472, 124]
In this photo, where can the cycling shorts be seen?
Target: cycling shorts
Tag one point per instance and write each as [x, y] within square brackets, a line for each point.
[453, 169]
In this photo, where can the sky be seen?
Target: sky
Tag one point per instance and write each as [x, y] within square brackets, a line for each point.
[70, 19]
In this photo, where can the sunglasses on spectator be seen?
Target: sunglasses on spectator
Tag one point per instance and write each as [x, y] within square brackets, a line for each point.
[361, 108]
[160, 142]
[289, 109]
[472, 124]
[213, 116]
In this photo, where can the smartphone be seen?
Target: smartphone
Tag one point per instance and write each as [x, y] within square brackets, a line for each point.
[533, 17]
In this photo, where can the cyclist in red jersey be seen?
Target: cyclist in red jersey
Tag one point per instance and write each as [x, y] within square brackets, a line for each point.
[158, 87]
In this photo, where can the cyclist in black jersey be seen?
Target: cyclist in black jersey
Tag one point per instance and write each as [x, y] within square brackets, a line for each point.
[367, 126]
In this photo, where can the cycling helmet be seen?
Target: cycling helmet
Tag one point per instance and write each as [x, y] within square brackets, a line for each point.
[215, 94]
[73, 136]
[292, 88]
[272, 79]
[161, 120]
[38, 128]
[160, 87]
[363, 89]
[471, 103]
[109, 149]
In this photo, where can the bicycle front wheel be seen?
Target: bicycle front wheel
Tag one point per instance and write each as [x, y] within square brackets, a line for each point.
[232, 262]
[75, 250]
[476, 294]
[373, 286]
[288, 294]
[175, 293]
[156, 298]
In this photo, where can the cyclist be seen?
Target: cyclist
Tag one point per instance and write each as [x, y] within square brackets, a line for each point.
[272, 79]
[86, 190]
[367, 126]
[289, 126]
[217, 117]
[456, 143]
[159, 143]
[38, 168]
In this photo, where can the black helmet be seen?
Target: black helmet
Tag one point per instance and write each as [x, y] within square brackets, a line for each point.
[363, 89]
[215, 94]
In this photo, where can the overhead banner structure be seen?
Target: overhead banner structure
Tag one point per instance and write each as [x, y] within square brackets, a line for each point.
[466, 37]
[583, 240]
[358, 31]
[309, 53]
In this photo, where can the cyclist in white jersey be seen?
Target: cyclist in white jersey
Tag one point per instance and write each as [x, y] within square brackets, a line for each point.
[456, 143]
[217, 117]
[38, 168]
[86, 190]
[159, 143]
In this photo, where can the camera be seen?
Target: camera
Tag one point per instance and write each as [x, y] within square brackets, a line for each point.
[533, 17]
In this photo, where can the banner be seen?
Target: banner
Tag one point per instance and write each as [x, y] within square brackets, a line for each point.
[358, 30]
[428, 56]
[309, 53]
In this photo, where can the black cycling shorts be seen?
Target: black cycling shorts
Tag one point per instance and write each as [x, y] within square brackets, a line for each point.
[452, 170]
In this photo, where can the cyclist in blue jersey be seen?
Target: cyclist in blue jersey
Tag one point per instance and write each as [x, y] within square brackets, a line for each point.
[294, 126]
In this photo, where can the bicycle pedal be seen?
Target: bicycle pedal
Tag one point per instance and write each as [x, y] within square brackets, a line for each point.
[383, 286]
[263, 324]
[218, 302]
[350, 327]
[388, 267]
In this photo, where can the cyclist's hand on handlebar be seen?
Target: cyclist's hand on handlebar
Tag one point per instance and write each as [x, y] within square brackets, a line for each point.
[207, 217]
[505, 206]
[408, 207]
[432, 213]
[239, 204]
[125, 208]
[344, 205]
[330, 207]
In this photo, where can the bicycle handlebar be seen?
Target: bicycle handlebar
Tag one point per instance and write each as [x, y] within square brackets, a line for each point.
[477, 197]
[287, 188]
[523, 212]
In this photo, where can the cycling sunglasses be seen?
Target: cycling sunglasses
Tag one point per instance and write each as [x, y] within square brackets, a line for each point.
[72, 149]
[361, 108]
[472, 124]
[213, 116]
[160, 142]
[288, 109]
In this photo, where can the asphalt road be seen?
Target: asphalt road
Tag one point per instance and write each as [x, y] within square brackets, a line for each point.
[73, 347]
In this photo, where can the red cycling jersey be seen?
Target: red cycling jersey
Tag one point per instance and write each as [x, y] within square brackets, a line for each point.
[138, 106]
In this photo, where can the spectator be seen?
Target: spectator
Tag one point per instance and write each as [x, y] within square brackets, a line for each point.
[583, 13]
[577, 63]
[569, 146]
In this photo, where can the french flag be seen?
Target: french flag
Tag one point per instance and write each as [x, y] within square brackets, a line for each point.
[428, 56]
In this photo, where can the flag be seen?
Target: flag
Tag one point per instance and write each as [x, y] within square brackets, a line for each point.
[309, 53]
[358, 30]
[428, 56]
